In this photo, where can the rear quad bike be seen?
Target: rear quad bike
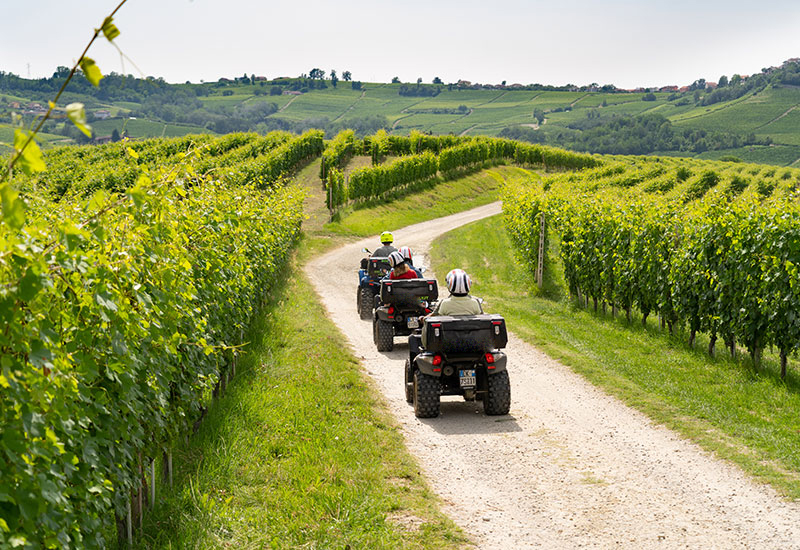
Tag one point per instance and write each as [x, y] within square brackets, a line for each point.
[462, 357]
[369, 283]
[402, 302]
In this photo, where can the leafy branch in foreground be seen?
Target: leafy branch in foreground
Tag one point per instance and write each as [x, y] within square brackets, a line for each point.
[26, 152]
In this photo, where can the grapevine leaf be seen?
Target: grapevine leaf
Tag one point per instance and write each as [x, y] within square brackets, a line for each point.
[29, 285]
[91, 70]
[13, 207]
[40, 356]
[110, 30]
[133, 153]
[31, 159]
[77, 114]
[4, 526]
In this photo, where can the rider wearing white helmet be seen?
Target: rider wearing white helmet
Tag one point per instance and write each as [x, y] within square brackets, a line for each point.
[386, 240]
[459, 302]
[406, 252]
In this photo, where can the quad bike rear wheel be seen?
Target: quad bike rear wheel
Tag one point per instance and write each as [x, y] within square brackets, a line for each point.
[498, 397]
[426, 395]
[365, 299]
[384, 335]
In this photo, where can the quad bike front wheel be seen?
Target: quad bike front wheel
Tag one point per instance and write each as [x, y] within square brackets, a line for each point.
[408, 382]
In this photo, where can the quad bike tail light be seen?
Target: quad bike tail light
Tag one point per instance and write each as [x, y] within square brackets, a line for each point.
[489, 360]
[437, 360]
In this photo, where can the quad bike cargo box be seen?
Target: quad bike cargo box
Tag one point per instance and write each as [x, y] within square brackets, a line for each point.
[465, 334]
[409, 291]
[376, 267]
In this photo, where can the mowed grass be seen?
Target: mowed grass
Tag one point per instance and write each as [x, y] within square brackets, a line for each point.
[299, 453]
[426, 202]
[746, 416]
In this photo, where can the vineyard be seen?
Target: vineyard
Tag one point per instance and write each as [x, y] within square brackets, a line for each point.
[127, 281]
[132, 270]
[713, 247]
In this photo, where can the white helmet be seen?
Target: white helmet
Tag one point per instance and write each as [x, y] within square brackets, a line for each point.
[406, 252]
[395, 259]
[458, 282]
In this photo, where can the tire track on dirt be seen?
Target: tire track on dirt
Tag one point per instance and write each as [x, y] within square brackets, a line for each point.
[570, 466]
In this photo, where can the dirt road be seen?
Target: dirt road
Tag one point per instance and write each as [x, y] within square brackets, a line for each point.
[569, 467]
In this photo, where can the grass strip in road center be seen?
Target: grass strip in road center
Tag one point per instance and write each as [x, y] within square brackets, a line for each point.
[299, 453]
[748, 417]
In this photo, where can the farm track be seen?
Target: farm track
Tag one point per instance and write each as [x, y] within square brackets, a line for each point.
[351, 107]
[777, 118]
[282, 109]
[570, 466]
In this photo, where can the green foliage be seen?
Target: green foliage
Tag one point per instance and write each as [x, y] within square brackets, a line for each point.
[118, 311]
[693, 255]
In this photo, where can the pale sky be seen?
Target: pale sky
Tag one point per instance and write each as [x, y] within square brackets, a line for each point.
[622, 42]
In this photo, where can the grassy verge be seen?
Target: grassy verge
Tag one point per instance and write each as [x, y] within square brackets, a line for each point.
[748, 417]
[299, 453]
[427, 202]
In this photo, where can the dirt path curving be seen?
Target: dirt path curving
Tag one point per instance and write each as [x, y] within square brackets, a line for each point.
[570, 467]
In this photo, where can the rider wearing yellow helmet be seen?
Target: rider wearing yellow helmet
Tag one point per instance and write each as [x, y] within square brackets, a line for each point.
[386, 240]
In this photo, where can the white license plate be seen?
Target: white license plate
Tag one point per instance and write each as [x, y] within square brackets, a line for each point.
[467, 378]
[412, 322]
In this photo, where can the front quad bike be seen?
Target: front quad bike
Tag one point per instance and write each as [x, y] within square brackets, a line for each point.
[402, 302]
[369, 283]
[462, 357]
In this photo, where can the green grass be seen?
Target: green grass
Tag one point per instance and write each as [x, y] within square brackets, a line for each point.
[299, 453]
[433, 201]
[746, 416]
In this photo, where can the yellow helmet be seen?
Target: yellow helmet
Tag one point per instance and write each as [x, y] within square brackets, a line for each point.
[387, 237]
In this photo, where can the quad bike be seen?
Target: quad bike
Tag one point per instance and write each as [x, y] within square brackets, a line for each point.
[462, 357]
[402, 302]
[369, 283]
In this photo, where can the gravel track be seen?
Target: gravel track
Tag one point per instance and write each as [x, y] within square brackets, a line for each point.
[569, 467]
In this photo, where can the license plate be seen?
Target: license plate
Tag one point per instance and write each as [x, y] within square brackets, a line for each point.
[467, 378]
[412, 322]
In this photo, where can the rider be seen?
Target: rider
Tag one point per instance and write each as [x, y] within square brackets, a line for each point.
[406, 252]
[386, 240]
[400, 267]
[458, 303]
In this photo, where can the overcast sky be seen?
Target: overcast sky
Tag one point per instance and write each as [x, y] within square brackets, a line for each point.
[627, 43]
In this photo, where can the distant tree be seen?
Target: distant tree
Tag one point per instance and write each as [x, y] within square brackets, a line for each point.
[275, 90]
[538, 114]
[396, 80]
[245, 79]
[699, 84]
[334, 78]
[463, 108]
[227, 92]
[61, 72]
[649, 96]
[503, 83]
[252, 79]
[115, 135]
[346, 76]
[419, 81]
[356, 84]
[723, 81]
[316, 74]
[437, 80]
[696, 95]
[735, 80]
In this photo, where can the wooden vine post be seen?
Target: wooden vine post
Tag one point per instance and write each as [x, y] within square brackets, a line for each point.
[540, 264]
